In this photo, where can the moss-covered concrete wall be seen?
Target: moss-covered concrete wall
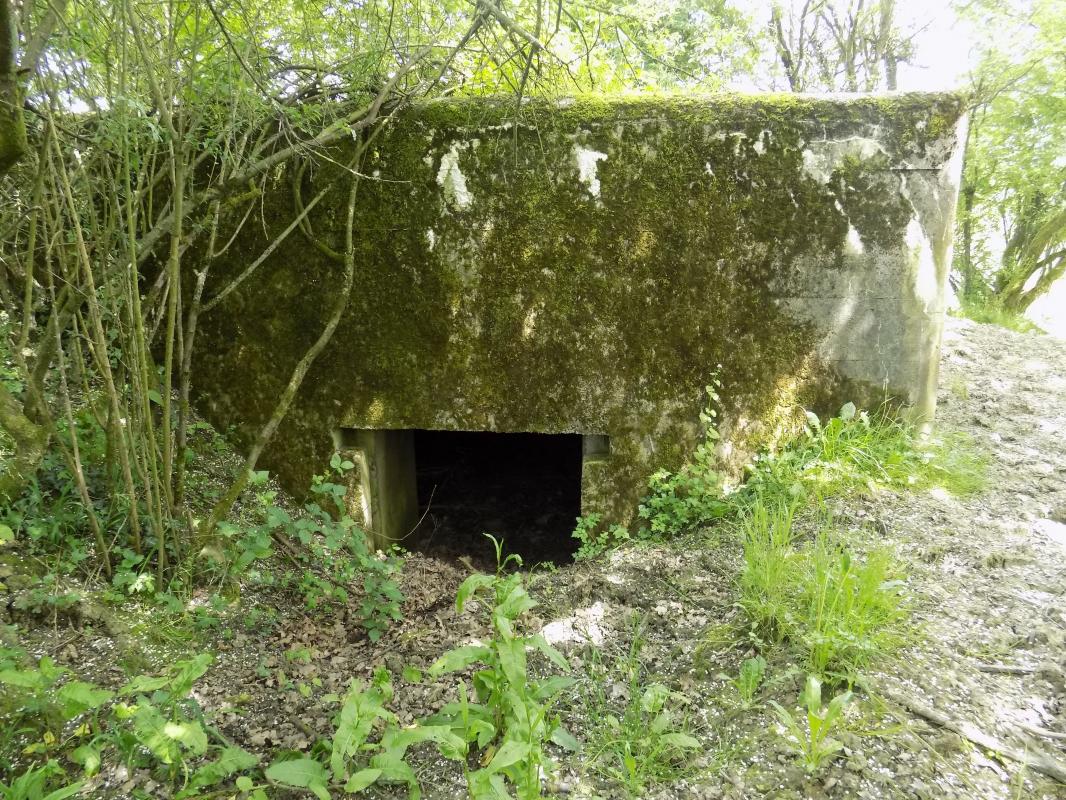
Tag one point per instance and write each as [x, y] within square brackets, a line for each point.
[585, 265]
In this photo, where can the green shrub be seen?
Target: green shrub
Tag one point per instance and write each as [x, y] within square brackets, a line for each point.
[150, 722]
[334, 552]
[770, 569]
[853, 607]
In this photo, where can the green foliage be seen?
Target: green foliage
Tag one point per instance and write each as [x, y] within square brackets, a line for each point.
[770, 569]
[334, 551]
[857, 453]
[853, 607]
[693, 495]
[27, 699]
[988, 309]
[749, 680]
[643, 743]
[33, 785]
[1012, 217]
[512, 713]
[837, 610]
[509, 719]
[154, 724]
[812, 741]
[49, 517]
[595, 542]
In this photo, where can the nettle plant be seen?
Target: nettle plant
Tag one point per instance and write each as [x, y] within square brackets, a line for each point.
[335, 551]
[507, 719]
[678, 501]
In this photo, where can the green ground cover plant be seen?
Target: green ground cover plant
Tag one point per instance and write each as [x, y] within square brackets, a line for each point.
[642, 741]
[331, 550]
[809, 733]
[835, 608]
[748, 681]
[504, 717]
[151, 722]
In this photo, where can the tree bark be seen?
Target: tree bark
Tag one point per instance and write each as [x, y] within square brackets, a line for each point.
[30, 442]
[13, 143]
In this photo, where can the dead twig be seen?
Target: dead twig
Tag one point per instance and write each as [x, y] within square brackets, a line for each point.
[1038, 762]
[1037, 731]
[1006, 669]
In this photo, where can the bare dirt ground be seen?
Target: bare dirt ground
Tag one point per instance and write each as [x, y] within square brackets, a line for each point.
[986, 582]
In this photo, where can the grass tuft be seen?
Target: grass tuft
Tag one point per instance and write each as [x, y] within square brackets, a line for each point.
[861, 453]
[837, 609]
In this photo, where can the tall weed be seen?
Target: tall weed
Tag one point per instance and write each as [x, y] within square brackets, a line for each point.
[853, 607]
[771, 568]
[839, 610]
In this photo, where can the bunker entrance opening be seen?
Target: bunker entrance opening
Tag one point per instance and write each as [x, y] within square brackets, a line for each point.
[523, 488]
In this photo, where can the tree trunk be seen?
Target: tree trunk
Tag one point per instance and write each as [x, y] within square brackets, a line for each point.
[13, 144]
[887, 43]
[223, 506]
[30, 442]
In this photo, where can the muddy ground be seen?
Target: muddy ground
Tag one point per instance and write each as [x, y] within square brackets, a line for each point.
[987, 585]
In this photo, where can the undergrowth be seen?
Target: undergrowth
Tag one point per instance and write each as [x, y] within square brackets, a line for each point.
[502, 721]
[835, 608]
[990, 312]
[637, 738]
[856, 453]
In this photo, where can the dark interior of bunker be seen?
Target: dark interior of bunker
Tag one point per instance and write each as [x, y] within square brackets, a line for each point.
[523, 488]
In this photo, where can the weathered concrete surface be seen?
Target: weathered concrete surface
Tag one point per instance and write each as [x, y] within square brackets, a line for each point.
[584, 268]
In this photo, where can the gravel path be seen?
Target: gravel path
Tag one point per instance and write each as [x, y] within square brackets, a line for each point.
[987, 577]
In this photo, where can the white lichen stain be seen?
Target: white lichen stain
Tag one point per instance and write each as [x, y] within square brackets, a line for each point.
[529, 325]
[853, 244]
[431, 239]
[587, 161]
[451, 179]
[821, 159]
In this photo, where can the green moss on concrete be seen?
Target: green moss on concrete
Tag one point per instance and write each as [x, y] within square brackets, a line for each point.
[541, 307]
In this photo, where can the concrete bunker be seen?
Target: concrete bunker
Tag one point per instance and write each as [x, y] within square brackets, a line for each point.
[439, 491]
[584, 266]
